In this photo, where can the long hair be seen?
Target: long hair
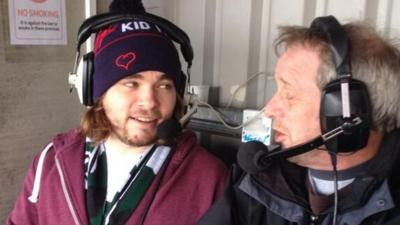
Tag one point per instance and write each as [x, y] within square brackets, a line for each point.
[374, 60]
[96, 125]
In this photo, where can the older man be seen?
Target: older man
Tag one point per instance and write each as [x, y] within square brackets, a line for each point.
[328, 76]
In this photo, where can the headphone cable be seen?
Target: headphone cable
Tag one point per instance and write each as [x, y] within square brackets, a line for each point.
[335, 183]
[241, 86]
[157, 187]
[218, 115]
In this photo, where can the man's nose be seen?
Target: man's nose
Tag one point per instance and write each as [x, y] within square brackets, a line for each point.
[147, 98]
[273, 107]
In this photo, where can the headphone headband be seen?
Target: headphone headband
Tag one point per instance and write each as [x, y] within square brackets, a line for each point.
[338, 40]
[96, 23]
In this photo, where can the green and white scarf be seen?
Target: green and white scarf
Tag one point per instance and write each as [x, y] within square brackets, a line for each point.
[128, 198]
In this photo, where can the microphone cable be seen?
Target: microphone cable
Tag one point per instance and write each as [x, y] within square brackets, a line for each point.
[197, 102]
[218, 114]
[157, 185]
[242, 85]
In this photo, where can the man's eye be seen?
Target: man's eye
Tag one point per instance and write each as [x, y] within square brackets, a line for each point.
[166, 86]
[287, 95]
[131, 84]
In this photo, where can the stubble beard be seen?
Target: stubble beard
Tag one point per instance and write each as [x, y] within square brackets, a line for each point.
[307, 159]
[134, 140]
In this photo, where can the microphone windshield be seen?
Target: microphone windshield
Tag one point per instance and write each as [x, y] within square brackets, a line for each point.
[169, 129]
[249, 155]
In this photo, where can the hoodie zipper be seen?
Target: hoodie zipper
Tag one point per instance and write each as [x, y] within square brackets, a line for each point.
[66, 194]
[313, 220]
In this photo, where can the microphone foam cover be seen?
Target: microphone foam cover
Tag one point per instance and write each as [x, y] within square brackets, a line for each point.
[248, 155]
[169, 128]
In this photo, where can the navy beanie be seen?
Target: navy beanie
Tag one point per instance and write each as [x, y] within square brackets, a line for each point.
[127, 48]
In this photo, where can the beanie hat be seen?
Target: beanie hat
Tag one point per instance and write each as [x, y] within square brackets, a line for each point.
[131, 47]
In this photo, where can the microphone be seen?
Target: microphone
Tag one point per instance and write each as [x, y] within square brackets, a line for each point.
[254, 156]
[171, 127]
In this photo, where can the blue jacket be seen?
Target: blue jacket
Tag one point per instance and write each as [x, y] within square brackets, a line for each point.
[278, 196]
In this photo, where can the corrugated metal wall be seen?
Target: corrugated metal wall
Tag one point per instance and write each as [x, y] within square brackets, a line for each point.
[233, 39]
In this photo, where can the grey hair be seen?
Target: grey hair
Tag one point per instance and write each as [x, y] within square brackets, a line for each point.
[374, 60]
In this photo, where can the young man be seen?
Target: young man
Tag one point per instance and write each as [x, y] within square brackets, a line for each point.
[301, 190]
[115, 169]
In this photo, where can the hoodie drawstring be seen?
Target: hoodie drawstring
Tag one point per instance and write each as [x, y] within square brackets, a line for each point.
[36, 185]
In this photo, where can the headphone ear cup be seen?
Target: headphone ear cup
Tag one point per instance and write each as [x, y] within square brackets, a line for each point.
[78, 82]
[331, 115]
[87, 79]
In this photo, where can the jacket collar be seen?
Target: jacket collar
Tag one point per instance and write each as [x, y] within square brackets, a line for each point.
[281, 193]
[379, 201]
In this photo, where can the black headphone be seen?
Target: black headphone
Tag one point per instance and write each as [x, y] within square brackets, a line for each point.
[82, 76]
[345, 101]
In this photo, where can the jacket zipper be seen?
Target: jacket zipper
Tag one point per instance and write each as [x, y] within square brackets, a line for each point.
[66, 194]
[313, 219]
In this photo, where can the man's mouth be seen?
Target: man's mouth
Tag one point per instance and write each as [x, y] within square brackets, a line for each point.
[278, 136]
[144, 119]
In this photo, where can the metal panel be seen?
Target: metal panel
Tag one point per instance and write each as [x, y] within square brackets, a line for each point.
[233, 39]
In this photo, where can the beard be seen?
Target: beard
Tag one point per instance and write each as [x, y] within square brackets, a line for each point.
[134, 140]
[135, 136]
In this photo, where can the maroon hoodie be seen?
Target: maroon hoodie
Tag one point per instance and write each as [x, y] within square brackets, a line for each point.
[192, 181]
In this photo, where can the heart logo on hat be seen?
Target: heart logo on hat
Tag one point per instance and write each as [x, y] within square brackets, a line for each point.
[125, 60]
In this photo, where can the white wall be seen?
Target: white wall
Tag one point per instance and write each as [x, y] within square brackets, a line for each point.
[233, 39]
